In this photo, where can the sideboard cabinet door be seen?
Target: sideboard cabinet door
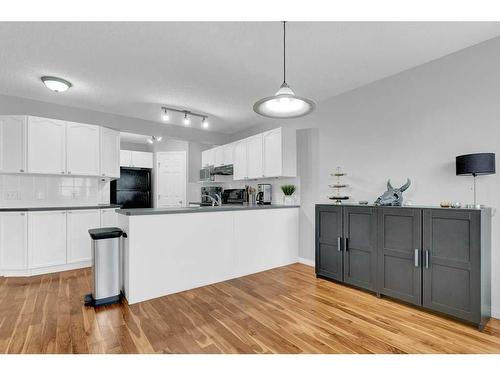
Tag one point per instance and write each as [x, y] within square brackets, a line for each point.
[360, 247]
[451, 277]
[329, 242]
[399, 240]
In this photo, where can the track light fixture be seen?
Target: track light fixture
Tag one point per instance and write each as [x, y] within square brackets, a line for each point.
[154, 138]
[187, 116]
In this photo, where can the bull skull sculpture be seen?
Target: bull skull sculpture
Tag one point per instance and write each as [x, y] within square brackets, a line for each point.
[392, 197]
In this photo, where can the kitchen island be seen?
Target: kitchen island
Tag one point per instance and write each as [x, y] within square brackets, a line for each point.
[169, 250]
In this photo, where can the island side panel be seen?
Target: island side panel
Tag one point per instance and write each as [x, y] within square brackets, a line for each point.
[176, 252]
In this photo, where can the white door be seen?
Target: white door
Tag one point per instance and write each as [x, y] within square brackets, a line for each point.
[141, 159]
[46, 238]
[12, 144]
[109, 218]
[46, 146]
[272, 153]
[254, 157]
[13, 241]
[79, 242]
[171, 179]
[110, 153]
[82, 149]
[125, 158]
[218, 156]
[240, 160]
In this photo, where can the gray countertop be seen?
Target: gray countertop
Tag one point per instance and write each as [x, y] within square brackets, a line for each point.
[190, 210]
[63, 208]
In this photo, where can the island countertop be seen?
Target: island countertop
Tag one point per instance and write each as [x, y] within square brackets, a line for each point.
[190, 210]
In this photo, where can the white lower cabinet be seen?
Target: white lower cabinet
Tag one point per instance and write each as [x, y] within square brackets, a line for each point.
[78, 239]
[46, 238]
[109, 218]
[13, 241]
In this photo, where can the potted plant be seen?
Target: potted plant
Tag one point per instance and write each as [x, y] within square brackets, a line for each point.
[288, 191]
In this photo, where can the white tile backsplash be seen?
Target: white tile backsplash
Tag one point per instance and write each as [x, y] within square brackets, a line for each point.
[44, 191]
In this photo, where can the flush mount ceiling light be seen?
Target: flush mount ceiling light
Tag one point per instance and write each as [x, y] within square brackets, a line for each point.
[56, 84]
[284, 104]
[187, 116]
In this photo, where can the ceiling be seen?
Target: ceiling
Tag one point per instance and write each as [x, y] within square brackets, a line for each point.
[215, 68]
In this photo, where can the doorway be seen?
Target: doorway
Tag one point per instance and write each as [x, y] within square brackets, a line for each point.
[171, 178]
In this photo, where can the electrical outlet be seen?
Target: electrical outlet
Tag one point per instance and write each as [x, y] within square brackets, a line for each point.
[12, 195]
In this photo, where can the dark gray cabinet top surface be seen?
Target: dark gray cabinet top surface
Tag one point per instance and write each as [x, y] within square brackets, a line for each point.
[412, 206]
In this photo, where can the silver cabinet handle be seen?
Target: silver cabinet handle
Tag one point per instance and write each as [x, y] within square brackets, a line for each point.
[22, 213]
[426, 258]
[69, 172]
[62, 172]
[338, 244]
[21, 170]
[416, 257]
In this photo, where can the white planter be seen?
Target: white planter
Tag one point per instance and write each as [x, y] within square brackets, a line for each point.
[288, 200]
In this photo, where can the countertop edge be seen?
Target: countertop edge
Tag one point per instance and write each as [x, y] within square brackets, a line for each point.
[196, 210]
[63, 208]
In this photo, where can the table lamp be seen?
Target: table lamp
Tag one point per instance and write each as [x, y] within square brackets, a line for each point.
[474, 165]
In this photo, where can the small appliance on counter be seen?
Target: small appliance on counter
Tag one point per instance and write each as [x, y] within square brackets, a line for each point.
[234, 196]
[210, 191]
[264, 193]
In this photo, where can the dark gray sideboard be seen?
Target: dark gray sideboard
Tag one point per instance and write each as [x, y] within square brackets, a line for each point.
[439, 259]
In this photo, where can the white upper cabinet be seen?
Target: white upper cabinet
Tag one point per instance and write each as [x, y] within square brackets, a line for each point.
[273, 160]
[254, 157]
[207, 158]
[137, 159]
[82, 149]
[13, 241]
[125, 158]
[218, 156]
[228, 153]
[79, 241]
[240, 160]
[46, 238]
[110, 153]
[12, 144]
[46, 146]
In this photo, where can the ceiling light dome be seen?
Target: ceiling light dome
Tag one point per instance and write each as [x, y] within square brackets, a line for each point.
[284, 104]
[56, 84]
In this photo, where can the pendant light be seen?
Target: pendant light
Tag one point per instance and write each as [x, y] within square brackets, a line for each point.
[284, 104]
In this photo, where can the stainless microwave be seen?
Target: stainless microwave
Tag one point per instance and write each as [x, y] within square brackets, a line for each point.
[206, 174]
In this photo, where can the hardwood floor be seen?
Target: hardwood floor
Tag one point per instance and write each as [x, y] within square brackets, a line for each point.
[285, 310]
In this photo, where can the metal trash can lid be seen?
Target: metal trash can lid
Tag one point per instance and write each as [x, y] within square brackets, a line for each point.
[104, 233]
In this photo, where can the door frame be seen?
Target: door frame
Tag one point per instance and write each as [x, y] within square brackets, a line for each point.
[156, 174]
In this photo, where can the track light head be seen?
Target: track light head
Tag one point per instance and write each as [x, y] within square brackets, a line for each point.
[204, 123]
[165, 117]
[186, 121]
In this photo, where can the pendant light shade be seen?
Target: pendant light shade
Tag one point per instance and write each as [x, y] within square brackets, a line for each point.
[284, 104]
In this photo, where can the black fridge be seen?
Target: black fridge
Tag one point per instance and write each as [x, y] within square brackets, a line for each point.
[132, 189]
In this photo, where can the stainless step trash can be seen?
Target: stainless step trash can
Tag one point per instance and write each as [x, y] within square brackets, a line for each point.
[105, 280]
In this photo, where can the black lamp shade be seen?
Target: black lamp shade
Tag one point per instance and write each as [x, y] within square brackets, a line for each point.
[475, 164]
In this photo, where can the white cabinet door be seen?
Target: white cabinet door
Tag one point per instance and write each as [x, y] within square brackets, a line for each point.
[78, 240]
[218, 156]
[12, 144]
[240, 160]
[13, 241]
[110, 153]
[142, 159]
[82, 149]
[208, 158]
[204, 159]
[228, 154]
[254, 157]
[46, 146]
[46, 238]
[109, 218]
[273, 157]
[125, 158]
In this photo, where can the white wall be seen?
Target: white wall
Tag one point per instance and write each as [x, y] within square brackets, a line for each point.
[409, 125]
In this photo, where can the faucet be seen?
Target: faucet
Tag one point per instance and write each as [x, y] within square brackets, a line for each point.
[215, 202]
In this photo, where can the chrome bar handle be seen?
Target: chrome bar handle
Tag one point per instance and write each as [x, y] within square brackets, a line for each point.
[339, 246]
[416, 257]
[426, 258]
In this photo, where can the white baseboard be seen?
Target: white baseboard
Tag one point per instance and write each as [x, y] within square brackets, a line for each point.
[44, 270]
[307, 262]
[495, 313]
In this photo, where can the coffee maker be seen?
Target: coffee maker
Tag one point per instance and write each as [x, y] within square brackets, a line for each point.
[264, 193]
